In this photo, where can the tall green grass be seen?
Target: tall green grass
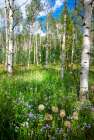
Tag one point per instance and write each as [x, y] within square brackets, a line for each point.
[27, 100]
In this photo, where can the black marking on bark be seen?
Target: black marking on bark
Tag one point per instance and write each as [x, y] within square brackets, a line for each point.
[82, 17]
[88, 53]
[87, 27]
[86, 35]
[91, 3]
[81, 73]
[84, 24]
[85, 62]
[82, 2]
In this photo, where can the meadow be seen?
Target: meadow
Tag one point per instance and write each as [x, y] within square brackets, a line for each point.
[36, 104]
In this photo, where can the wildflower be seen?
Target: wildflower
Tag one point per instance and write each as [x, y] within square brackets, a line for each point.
[59, 130]
[41, 107]
[69, 117]
[47, 126]
[75, 115]
[29, 106]
[68, 124]
[31, 115]
[48, 117]
[16, 128]
[62, 113]
[54, 109]
[25, 124]
[88, 126]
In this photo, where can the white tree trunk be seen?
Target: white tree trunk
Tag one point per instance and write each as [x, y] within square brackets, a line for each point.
[46, 55]
[15, 50]
[73, 46]
[29, 49]
[47, 51]
[6, 30]
[11, 38]
[34, 45]
[40, 49]
[37, 62]
[63, 47]
[85, 59]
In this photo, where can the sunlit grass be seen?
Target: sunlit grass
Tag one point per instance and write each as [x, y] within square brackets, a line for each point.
[36, 75]
[39, 76]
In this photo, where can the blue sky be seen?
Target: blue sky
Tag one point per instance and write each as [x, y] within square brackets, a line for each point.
[57, 5]
[70, 5]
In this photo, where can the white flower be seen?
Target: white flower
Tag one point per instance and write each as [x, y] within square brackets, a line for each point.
[31, 115]
[25, 124]
[41, 107]
[55, 109]
[48, 117]
[68, 124]
[62, 113]
[75, 115]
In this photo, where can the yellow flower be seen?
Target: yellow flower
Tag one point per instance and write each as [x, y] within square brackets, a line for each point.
[41, 107]
[62, 113]
[68, 124]
[48, 117]
[75, 115]
[54, 109]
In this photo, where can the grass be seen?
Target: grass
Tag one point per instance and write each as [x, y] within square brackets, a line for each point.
[29, 88]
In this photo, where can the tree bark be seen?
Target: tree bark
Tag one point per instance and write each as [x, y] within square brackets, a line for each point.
[6, 30]
[63, 47]
[10, 38]
[29, 49]
[73, 45]
[40, 49]
[47, 52]
[37, 61]
[85, 59]
[34, 46]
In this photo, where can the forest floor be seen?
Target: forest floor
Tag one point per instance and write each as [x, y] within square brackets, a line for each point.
[40, 85]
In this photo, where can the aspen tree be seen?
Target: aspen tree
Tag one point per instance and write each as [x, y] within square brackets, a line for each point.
[85, 58]
[10, 37]
[6, 31]
[47, 46]
[64, 43]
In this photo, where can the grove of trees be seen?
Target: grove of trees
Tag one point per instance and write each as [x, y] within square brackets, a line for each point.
[60, 50]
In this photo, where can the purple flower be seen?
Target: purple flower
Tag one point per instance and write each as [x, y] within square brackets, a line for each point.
[47, 126]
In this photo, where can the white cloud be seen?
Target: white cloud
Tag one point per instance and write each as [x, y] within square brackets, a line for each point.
[47, 7]
[40, 32]
[58, 4]
[42, 13]
[37, 29]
